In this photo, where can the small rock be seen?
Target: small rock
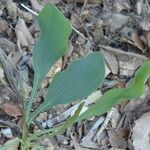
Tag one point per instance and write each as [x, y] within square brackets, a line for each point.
[7, 132]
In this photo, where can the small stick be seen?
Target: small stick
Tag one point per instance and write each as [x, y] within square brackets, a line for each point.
[147, 5]
[104, 125]
[8, 124]
[119, 51]
[30, 10]
[85, 2]
[89, 136]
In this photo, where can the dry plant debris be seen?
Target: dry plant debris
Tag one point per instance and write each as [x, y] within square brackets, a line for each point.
[120, 28]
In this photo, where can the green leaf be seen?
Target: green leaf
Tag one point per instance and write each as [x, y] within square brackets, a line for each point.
[77, 82]
[52, 45]
[115, 96]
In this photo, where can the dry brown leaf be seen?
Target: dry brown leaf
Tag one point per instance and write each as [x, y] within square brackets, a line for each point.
[75, 20]
[137, 41]
[23, 34]
[147, 35]
[111, 61]
[129, 65]
[7, 45]
[13, 110]
[57, 67]
[116, 140]
[13, 146]
[141, 133]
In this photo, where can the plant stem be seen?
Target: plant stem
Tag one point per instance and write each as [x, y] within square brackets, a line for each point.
[31, 99]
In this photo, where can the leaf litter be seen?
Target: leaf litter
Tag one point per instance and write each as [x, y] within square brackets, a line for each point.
[120, 28]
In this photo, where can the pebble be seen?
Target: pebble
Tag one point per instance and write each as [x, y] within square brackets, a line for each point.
[7, 132]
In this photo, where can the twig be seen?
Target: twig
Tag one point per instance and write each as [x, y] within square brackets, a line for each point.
[146, 1]
[8, 124]
[104, 125]
[89, 136]
[62, 117]
[79, 33]
[119, 51]
[85, 2]
[30, 10]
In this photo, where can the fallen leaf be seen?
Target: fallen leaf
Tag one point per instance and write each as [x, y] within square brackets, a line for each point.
[129, 65]
[23, 35]
[137, 41]
[141, 133]
[111, 61]
[116, 140]
[13, 110]
[147, 35]
[57, 67]
[12, 144]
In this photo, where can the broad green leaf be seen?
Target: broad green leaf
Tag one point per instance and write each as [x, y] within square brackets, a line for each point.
[77, 82]
[115, 96]
[52, 45]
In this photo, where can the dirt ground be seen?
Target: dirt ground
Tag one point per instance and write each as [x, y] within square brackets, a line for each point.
[120, 29]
